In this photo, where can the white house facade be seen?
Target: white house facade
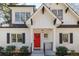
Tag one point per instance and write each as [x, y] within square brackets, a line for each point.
[50, 26]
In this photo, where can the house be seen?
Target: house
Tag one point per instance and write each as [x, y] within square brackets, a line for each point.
[50, 26]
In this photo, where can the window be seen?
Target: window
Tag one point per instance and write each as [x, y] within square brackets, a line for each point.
[13, 36]
[21, 16]
[17, 37]
[55, 12]
[58, 13]
[65, 37]
[17, 16]
[45, 35]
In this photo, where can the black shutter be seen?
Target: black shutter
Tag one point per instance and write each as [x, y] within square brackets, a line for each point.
[66, 10]
[43, 10]
[8, 38]
[23, 37]
[71, 37]
[55, 21]
[60, 38]
[31, 22]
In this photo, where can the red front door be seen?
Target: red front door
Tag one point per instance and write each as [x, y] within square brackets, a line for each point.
[36, 40]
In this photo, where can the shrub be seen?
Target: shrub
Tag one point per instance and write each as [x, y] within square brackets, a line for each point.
[1, 49]
[9, 49]
[61, 51]
[24, 49]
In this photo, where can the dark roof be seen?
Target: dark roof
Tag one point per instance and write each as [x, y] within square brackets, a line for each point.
[16, 26]
[68, 26]
[21, 5]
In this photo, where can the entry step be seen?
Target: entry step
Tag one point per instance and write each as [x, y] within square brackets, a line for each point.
[37, 53]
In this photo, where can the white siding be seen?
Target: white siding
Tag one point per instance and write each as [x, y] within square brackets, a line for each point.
[75, 45]
[20, 9]
[68, 18]
[43, 20]
[3, 36]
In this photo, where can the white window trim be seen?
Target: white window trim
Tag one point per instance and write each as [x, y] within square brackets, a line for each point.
[57, 12]
[18, 22]
[16, 38]
[21, 22]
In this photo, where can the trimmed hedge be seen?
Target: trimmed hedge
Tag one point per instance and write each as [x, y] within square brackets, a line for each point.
[24, 50]
[61, 51]
[9, 50]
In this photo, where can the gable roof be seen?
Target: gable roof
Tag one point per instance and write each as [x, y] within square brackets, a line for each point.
[44, 5]
[46, 8]
[67, 5]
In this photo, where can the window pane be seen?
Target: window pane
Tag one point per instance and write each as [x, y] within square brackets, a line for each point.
[23, 16]
[65, 37]
[13, 36]
[55, 12]
[45, 35]
[17, 16]
[19, 37]
[60, 14]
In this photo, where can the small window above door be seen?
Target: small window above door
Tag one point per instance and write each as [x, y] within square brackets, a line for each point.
[45, 35]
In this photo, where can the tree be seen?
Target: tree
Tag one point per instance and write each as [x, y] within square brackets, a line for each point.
[6, 11]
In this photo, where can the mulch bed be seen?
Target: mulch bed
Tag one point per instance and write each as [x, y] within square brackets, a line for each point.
[14, 54]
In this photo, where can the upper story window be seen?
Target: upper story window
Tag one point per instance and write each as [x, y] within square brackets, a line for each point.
[21, 16]
[58, 13]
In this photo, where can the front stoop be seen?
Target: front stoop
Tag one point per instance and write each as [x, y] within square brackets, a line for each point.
[37, 53]
[41, 53]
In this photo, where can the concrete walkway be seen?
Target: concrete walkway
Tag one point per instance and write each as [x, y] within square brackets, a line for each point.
[41, 53]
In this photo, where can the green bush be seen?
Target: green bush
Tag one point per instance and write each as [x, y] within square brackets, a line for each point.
[9, 49]
[24, 49]
[1, 49]
[61, 51]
